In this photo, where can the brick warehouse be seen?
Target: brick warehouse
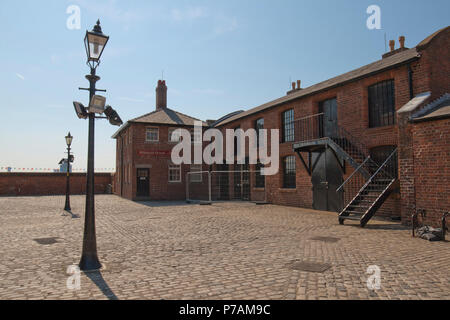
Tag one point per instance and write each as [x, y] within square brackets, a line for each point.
[381, 130]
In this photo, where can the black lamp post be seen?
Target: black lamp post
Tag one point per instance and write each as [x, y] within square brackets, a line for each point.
[94, 42]
[69, 139]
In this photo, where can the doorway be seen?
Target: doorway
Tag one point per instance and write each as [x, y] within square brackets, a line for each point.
[326, 178]
[329, 127]
[143, 183]
[241, 182]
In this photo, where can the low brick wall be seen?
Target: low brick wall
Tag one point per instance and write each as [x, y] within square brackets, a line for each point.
[40, 184]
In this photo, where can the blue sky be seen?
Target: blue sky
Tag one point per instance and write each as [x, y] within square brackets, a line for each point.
[217, 57]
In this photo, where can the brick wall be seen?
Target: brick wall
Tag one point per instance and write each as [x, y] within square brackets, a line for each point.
[40, 184]
[353, 115]
[432, 168]
[138, 154]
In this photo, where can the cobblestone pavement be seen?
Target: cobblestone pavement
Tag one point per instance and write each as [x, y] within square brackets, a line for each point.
[223, 251]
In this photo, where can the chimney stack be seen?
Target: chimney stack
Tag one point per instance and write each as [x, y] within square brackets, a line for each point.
[392, 45]
[401, 40]
[161, 95]
[295, 87]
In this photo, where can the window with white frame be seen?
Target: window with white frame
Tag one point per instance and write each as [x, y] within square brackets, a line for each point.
[196, 177]
[174, 173]
[196, 136]
[152, 134]
[173, 135]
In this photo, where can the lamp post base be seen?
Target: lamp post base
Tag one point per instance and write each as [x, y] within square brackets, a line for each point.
[89, 263]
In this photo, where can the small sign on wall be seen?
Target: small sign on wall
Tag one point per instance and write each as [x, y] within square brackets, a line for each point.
[154, 153]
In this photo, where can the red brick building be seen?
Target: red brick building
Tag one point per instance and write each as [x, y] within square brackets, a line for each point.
[144, 170]
[353, 144]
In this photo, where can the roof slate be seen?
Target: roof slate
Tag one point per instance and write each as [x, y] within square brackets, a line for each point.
[164, 116]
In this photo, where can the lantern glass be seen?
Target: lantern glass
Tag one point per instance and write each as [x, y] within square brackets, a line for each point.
[69, 139]
[94, 42]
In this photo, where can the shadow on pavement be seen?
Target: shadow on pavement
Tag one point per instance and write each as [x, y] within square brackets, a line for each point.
[97, 278]
[73, 215]
[387, 227]
[156, 204]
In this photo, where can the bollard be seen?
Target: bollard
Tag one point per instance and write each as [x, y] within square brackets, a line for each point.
[444, 227]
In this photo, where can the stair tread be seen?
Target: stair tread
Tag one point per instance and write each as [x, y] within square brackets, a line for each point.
[350, 218]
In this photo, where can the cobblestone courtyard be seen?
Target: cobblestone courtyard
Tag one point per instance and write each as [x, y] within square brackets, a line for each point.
[223, 251]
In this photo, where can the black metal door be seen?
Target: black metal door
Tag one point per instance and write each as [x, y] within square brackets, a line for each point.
[143, 183]
[330, 121]
[319, 182]
[237, 194]
[245, 181]
[326, 178]
[224, 186]
[334, 180]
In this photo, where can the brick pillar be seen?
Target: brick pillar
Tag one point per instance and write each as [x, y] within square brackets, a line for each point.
[406, 167]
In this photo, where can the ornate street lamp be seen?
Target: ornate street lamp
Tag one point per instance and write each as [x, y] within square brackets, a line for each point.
[95, 42]
[69, 139]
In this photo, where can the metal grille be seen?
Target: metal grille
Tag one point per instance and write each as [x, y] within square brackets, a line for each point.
[46, 241]
[382, 104]
[309, 266]
[325, 239]
[224, 185]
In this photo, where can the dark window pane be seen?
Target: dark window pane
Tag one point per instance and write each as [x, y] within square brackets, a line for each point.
[382, 104]
[259, 125]
[260, 180]
[289, 172]
[287, 118]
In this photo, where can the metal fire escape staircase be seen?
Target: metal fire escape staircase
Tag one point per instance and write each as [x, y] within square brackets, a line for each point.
[367, 188]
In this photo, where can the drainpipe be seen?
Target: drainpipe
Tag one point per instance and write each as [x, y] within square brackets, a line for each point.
[121, 165]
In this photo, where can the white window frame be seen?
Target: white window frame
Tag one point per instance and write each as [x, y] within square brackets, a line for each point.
[174, 167]
[147, 129]
[171, 130]
[196, 168]
[196, 139]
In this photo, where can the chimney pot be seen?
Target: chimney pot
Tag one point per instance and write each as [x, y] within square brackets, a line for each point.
[293, 85]
[298, 84]
[392, 45]
[401, 40]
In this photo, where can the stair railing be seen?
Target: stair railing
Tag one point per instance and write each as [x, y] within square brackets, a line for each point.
[353, 184]
[381, 169]
[309, 128]
[357, 183]
[353, 143]
[353, 173]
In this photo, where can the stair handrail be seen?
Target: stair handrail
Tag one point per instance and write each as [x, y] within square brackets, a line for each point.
[310, 116]
[370, 180]
[361, 146]
[353, 173]
[380, 168]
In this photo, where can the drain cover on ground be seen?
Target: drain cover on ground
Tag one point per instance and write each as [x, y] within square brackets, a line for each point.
[309, 266]
[325, 239]
[46, 241]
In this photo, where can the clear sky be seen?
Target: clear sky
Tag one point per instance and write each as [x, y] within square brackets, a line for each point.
[217, 57]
